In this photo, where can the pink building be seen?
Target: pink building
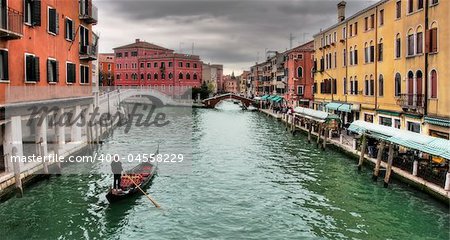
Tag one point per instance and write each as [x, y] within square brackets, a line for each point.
[145, 64]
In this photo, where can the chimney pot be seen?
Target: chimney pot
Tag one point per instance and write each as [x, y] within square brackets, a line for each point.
[138, 40]
[341, 11]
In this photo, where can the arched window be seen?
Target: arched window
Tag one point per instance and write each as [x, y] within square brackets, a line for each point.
[433, 84]
[149, 76]
[345, 86]
[126, 76]
[433, 38]
[398, 84]
[366, 53]
[371, 86]
[188, 76]
[195, 76]
[155, 76]
[163, 76]
[300, 72]
[398, 46]
[380, 86]
[351, 56]
[170, 76]
[411, 51]
[371, 52]
[355, 56]
[351, 85]
[355, 88]
[142, 76]
[380, 50]
[419, 40]
[410, 83]
[419, 77]
[118, 76]
[366, 86]
[180, 76]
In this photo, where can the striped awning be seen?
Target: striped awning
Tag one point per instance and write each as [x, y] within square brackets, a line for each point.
[333, 106]
[438, 121]
[345, 108]
[342, 107]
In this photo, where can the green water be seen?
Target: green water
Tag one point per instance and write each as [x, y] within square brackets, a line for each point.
[249, 180]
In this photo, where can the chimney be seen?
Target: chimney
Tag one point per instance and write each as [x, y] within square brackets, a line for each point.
[138, 40]
[341, 11]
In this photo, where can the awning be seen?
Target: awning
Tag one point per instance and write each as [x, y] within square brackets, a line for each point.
[264, 97]
[345, 108]
[438, 121]
[279, 99]
[427, 144]
[390, 113]
[271, 97]
[315, 115]
[333, 106]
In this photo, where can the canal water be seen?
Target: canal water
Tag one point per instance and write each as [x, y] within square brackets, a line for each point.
[249, 179]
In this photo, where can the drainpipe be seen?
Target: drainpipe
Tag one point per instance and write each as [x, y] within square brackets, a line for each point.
[425, 106]
[375, 58]
[346, 61]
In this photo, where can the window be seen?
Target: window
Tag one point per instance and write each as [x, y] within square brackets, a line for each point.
[397, 123]
[170, 64]
[419, 43]
[371, 86]
[410, 42]
[381, 17]
[372, 21]
[351, 30]
[380, 86]
[170, 76]
[344, 57]
[84, 74]
[71, 73]
[155, 64]
[356, 28]
[419, 4]
[368, 117]
[188, 76]
[52, 71]
[398, 46]
[433, 39]
[371, 52]
[414, 127]
[188, 65]
[142, 65]
[149, 76]
[126, 54]
[434, 2]
[355, 57]
[84, 40]
[52, 21]
[118, 77]
[163, 76]
[32, 71]
[134, 54]
[32, 10]
[163, 64]
[155, 76]
[195, 76]
[195, 65]
[345, 86]
[351, 56]
[398, 8]
[300, 90]
[4, 72]
[398, 84]
[366, 86]
[300, 72]
[180, 64]
[366, 53]
[380, 50]
[385, 121]
[180, 76]
[410, 6]
[433, 84]
[344, 33]
[366, 23]
[142, 76]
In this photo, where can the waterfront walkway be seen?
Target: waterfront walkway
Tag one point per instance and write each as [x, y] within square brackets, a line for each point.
[347, 144]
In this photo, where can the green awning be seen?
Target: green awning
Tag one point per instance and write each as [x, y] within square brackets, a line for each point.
[345, 108]
[427, 144]
[438, 121]
[264, 97]
[271, 97]
[390, 113]
[319, 116]
[413, 116]
[278, 99]
[333, 106]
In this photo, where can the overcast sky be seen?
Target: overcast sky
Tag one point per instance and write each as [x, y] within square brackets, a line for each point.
[227, 32]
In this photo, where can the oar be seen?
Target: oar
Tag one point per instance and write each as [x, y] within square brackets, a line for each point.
[146, 194]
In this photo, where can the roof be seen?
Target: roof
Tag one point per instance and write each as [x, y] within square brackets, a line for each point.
[142, 44]
[315, 115]
[427, 144]
[352, 16]
[309, 46]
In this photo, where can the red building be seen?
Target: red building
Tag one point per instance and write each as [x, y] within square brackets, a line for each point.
[46, 43]
[146, 64]
[107, 69]
[300, 80]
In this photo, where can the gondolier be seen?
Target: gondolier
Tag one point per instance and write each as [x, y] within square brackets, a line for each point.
[116, 168]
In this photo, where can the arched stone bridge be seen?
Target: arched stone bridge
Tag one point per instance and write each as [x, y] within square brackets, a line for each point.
[212, 102]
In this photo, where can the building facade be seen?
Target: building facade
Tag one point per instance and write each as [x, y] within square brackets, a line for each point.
[231, 84]
[106, 69]
[386, 65]
[244, 84]
[212, 76]
[299, 67]
[145, 64]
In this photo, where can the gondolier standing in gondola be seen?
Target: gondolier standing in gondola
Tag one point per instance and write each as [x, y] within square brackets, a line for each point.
[116, 168]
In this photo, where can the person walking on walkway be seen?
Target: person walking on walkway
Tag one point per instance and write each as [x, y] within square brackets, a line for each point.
[116, 168]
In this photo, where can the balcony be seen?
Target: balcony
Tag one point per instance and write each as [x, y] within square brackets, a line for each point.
[88, 52]
[88, 12]
[11, 24]
[411, 102]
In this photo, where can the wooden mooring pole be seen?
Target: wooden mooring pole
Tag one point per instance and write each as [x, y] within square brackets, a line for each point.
[309, 131]
[318, 135]
[376, 172]
[17, 178]
[389, 165]
[363, 151]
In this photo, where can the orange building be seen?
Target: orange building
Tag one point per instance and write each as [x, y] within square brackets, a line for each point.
[107, 69]
[46, 43]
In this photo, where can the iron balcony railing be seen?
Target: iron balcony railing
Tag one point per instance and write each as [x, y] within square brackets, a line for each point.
[88, 12]
[88, 52]
[11, 24]
[411, 101]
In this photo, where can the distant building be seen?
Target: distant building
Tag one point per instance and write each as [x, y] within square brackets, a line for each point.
[244, 83]
[231, 84]
[106, 69]
[212, 76]
[299, 66]
[146, 64]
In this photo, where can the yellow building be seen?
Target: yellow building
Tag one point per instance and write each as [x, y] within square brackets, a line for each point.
[387, 64]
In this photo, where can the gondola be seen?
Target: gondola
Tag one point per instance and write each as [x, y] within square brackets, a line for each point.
[142, 175]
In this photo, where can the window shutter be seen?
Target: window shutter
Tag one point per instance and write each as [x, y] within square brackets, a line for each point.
[36, 13]
[73, 31]
[372, 53]
[66, 28]
[5, 65]
[49, 72]
[434, 41]
[56, 71]
[56, 22]
[37, 72]
[356, 57]
[427, 41]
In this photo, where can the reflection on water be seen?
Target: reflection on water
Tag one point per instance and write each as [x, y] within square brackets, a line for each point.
[249, 178]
